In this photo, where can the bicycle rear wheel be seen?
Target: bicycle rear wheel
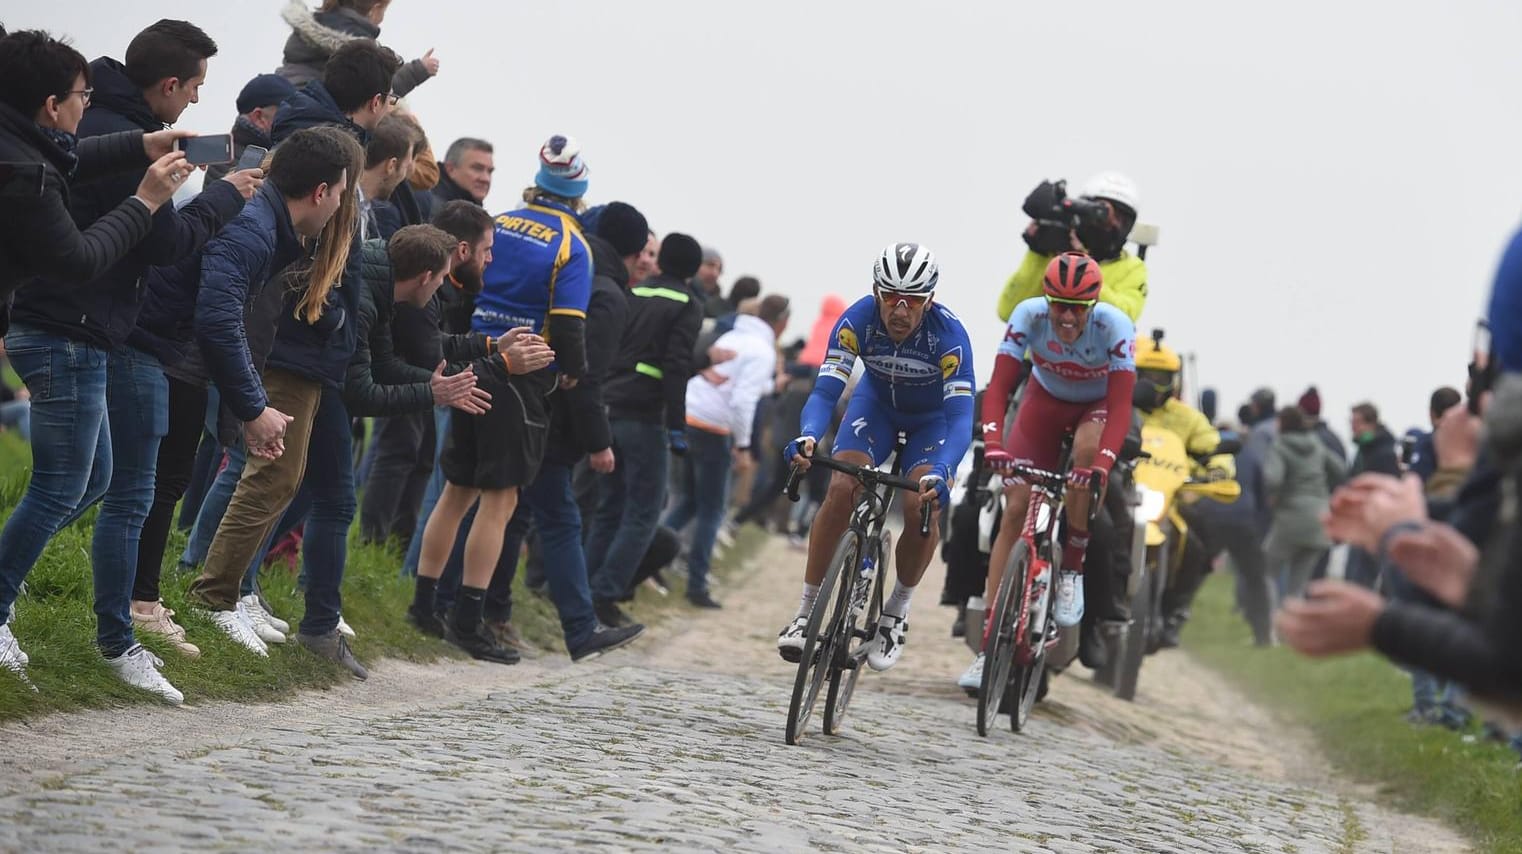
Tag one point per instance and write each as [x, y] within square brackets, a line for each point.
[822, 636]
[843, 682]
[1003, 640]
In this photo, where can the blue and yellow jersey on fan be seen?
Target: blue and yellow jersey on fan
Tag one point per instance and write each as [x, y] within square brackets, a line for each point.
[541, 266]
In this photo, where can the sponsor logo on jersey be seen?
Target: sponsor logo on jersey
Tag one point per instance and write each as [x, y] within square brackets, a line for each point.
[950, 363]
[902, 367]
[848, 340]
[1071, 370]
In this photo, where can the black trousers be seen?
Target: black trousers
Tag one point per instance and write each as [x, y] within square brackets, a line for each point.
[177, 457]
[398, 477]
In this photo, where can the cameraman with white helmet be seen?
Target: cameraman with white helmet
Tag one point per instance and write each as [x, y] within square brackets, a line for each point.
[1097, 222]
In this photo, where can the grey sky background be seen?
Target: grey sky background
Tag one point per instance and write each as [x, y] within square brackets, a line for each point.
[1333, 181]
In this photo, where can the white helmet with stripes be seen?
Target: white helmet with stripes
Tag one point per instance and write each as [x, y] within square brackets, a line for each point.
[906, 268]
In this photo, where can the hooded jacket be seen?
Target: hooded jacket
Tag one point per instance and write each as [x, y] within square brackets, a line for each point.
[729, 407]
[40, 235]
[579, 415]
[103, 313]
[316, 35]
[312, 106]
[648, 380]
[381, 382]
[1299, 474]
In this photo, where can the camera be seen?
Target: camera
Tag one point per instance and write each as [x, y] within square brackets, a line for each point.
[1050, 205]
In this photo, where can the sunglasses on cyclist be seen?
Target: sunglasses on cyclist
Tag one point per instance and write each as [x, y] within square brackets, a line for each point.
[910, 300]
[1069, 306]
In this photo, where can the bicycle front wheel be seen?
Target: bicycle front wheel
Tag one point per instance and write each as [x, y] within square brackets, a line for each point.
[822, 636]
[843, 682]
[1003, 635]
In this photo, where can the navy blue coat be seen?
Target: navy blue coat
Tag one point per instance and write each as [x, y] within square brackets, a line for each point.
[235, 268]
[312, 106]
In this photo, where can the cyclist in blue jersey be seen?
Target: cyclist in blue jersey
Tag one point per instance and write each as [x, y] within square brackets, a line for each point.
[1083, 356]
[918, 381]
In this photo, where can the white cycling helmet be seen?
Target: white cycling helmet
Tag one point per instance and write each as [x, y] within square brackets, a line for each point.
[906, 268]
[1115, 187]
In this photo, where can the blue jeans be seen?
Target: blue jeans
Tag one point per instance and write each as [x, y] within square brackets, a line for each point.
[628, 507]
[704, 499]
[431, 494]
[137, 394]
[18, 414]
[214, 507]
[71, 445]
[329, 479]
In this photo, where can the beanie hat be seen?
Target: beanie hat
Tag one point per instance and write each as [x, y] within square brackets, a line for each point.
[262, 91]
[681, 256]
[561, 169]
[1310, 402]
[624, 227]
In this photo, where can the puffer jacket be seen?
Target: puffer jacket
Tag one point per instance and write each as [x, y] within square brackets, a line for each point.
[313, 106]
[235, 268]
[321, 351]
[40, 235]
[379, 381]
[103, 313]
[1299, 474]
[316, 35]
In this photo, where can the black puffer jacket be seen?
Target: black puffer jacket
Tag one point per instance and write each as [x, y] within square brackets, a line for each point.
[316, 35]
[103, 313]
[380, 382]
[39, 234]
[578, 416]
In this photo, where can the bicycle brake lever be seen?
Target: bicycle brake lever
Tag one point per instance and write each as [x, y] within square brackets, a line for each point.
[793, 478]
[924, 518]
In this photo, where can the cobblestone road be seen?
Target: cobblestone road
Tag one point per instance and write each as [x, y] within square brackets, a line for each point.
[678, 746]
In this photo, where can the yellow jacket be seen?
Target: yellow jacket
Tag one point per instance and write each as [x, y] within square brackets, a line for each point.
[1125, 284]
[1194, 428]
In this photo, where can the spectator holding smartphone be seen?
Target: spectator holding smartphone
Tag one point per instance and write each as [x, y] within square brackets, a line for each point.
[47, 87]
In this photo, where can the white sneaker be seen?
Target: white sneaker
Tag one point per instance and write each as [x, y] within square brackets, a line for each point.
[343, 628]
[275, 622]
[236, 626]
[972, 678]
[888, 645]
[725, 537]
[140, 668]
[1068, 610]
[258, 620]
[11, 656]
[790, 639]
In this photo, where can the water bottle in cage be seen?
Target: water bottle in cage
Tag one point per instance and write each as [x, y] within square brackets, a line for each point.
[863, 585]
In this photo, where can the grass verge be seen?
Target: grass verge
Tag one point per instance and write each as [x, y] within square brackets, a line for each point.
[1356, 706]
[55, 623]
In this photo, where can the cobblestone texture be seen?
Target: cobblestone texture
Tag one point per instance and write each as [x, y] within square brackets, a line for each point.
[679, 747]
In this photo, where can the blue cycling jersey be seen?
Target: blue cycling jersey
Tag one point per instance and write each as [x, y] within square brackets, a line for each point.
[930, 371]
[540, 266]
[1077, 372]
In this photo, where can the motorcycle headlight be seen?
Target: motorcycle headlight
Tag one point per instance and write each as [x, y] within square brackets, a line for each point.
[1153, 503]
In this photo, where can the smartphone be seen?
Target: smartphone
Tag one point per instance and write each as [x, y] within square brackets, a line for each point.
[252, 157]
[1482, 368]
[21, 180]
[206, 150]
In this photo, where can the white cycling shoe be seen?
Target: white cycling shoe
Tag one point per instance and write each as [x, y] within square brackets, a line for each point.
[1068, 609]
[888, 644]
[971, 679]
[790, 639]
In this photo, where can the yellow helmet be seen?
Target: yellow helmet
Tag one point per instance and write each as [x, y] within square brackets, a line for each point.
[1157, 356]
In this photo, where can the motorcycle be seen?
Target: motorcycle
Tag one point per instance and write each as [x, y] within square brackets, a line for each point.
[1163, 484]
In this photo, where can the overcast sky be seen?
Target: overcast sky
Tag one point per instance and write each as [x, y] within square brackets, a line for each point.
[1333, 181]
